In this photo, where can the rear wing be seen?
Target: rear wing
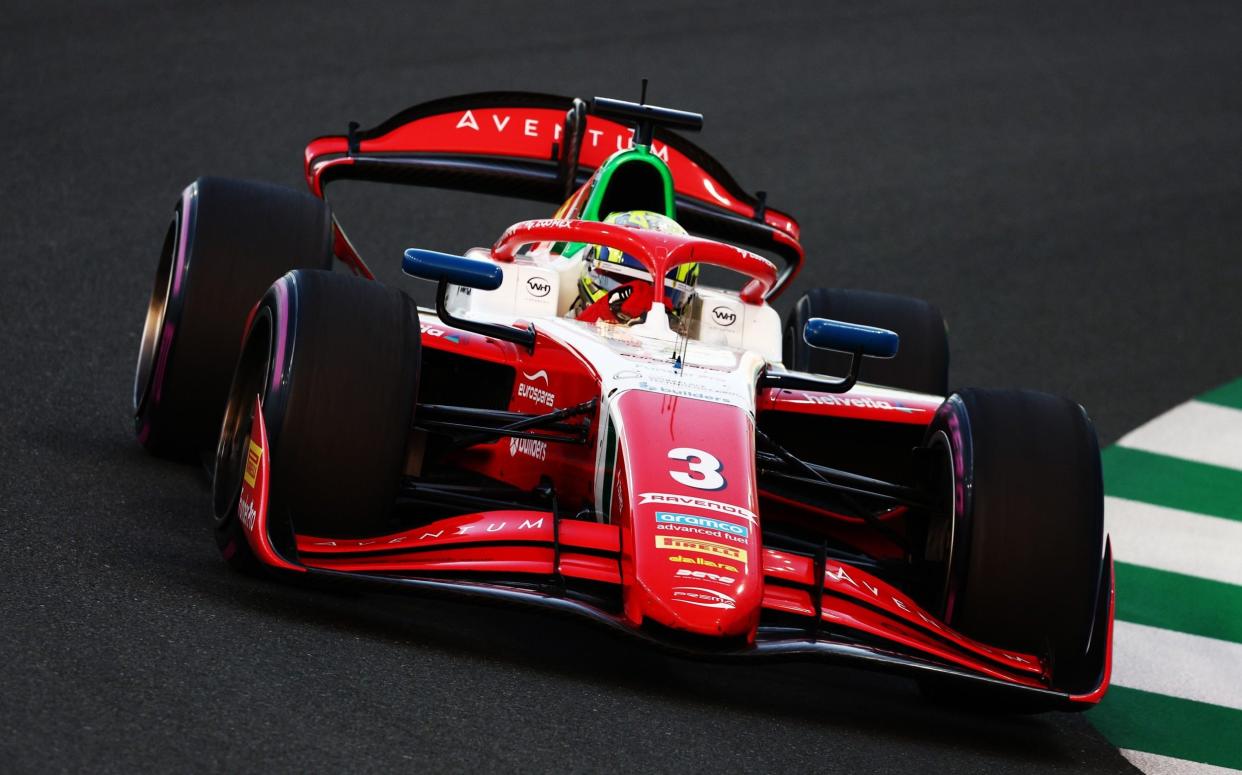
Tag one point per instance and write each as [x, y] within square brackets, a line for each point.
[543, 147]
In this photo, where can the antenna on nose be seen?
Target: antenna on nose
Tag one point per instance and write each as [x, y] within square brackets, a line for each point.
[642, 100]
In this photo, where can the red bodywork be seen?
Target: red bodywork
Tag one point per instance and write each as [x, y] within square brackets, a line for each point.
[527, 133]
[539, 147]
[689, 576]
[680, 544]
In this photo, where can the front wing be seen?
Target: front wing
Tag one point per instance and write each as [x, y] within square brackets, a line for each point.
[814, 607]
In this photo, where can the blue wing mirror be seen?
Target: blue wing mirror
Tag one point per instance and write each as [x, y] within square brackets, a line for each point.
[458, 270]
[851, 338]
[825, 334]
[447, 269]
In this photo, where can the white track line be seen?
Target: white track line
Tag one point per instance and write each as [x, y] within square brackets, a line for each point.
[1155, 764]
[1176, 664]
[1204, 433]
[1174, 540]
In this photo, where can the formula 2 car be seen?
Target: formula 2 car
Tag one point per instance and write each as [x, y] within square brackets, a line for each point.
[580, 426]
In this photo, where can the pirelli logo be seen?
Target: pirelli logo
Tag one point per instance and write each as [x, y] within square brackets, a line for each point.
[702, 547]
[253, 455]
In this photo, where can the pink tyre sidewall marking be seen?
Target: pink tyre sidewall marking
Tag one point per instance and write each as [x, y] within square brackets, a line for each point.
[280, 333]
[165, 345]
[166, 336]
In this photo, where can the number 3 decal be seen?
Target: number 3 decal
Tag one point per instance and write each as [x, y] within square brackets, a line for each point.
[704, 469]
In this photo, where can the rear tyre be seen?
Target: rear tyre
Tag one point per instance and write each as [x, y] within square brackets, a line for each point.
[1021, 547]
[922, 360]
[335, 361]
[229, 240]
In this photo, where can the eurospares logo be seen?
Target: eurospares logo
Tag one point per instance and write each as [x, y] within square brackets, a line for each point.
[701, 547]
[707, 522]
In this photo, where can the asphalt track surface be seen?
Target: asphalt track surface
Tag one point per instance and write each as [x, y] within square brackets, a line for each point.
[1062, 180]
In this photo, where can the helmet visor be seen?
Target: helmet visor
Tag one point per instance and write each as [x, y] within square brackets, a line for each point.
[609, 275]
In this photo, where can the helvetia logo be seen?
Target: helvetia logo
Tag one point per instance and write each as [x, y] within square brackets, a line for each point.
[861, 402]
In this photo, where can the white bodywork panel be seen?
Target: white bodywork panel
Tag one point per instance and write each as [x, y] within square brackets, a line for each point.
[538, 286]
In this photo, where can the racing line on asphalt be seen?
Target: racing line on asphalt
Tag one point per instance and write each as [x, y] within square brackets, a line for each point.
[1174, 510]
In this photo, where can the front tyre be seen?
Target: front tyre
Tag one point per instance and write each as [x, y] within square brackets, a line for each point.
[1021, 547]
[334, 361]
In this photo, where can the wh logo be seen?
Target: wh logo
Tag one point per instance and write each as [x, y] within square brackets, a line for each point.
[724, 316]
[538, 287]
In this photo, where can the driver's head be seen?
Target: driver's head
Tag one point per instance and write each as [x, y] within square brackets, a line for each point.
[616, 287]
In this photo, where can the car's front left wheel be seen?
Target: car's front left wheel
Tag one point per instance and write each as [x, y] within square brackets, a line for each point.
[1018, 546]
[333, 362]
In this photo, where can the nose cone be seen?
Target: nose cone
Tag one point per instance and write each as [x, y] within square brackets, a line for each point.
[693, 554]
[699, 607]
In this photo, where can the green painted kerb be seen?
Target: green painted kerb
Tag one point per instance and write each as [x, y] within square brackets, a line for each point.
[1171, 726]
[1226, 395]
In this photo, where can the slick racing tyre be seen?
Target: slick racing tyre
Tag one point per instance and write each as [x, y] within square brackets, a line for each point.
[1020, 548]
[922, 360]
[229, 240]
[334, 360]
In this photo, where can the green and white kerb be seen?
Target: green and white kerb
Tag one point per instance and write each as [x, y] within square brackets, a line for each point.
[1173, 506]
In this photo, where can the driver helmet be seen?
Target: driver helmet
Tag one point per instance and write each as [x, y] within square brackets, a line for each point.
[607, 272]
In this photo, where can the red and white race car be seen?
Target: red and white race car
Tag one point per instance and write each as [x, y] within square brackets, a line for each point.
[582, 425]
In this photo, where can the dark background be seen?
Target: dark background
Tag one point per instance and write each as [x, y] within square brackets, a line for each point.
[1062, 180]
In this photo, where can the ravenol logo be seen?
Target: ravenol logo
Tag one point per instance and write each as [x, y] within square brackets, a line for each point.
[706, 522]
